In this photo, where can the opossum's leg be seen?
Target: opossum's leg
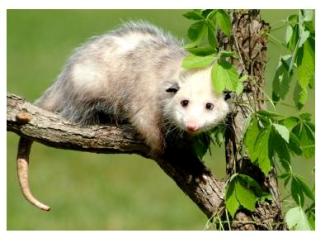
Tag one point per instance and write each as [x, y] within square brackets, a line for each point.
[146, 124]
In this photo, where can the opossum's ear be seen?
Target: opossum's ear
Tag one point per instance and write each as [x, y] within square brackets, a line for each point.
[173, 88]
[227, 95]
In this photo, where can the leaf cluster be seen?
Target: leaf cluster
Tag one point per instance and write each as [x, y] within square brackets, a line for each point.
[204, 54]
[300, 62]
[243, 191]
[271, 139]
[202, 32]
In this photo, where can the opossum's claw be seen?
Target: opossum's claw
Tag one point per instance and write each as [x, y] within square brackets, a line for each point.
[22, 172]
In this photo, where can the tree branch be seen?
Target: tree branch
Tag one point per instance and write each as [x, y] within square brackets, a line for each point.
[181, 165]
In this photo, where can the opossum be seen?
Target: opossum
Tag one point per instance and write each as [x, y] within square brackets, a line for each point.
[133, 74]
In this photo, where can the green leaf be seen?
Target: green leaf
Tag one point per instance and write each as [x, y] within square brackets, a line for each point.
[306, 117]
[310, 26]
[289, 33]
[296, 219]
[305, 188]
[304, 33]
[232, 203]
[279, 147]
[250, 139]
[292, 37]
[201, 145]
[287, 180]
[282, 131]
[245, 196]
[306, 26]
[300, 96]
[303, 36]
[305, 71]
[282, 78]
[223, 21]
[289, 122]
[224, 54]
[211, 17]
[218, 134]
[241, 192]
[262, 151]
[292, 32]
[207, 12]
[293, 20]
[308, 15]
[239, 88]
[197, 31]
[264, 142]
[310, 212]
[300, 41]
[225, 77]
[269, 114]
[243, 78]
[294, 144]
[200, 50]
[306, 62]
[218, 82]
[297, 192]
[194, 15]
[212, 35]
[250, 183]
[193, 61]
[284, 176]
[306, 135]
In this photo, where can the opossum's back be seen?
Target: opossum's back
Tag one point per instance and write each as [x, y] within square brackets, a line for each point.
[131, 52]
[111, 71]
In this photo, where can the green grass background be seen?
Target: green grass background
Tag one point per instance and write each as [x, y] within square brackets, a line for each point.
[92, 191]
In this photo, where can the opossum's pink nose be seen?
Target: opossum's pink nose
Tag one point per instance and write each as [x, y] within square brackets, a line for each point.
[192, 127]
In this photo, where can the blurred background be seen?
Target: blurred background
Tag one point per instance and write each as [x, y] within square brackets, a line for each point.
[92, 191]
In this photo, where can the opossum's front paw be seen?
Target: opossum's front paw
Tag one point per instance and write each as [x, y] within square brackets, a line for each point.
[156, 146]
[151, 134]
[156, 152]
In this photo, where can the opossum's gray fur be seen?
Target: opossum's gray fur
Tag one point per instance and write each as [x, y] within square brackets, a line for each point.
[134, 73]
[132, 84]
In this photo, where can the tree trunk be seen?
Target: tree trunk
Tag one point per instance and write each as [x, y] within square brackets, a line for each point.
[249, 40]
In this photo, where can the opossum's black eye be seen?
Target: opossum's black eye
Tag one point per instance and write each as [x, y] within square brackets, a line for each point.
[184, 103]
[209, 106]
[226, 95]
[173, 89]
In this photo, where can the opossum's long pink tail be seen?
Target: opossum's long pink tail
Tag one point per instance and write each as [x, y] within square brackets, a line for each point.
[24, 147]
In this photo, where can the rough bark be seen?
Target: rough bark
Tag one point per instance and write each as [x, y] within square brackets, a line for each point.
[181, 165]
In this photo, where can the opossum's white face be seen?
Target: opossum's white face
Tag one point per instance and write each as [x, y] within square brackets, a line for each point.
[195, 107]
